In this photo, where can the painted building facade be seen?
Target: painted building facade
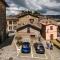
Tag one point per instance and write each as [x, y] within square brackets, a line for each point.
[49, 30]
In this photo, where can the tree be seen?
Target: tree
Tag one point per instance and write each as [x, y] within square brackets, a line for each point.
[36, 13]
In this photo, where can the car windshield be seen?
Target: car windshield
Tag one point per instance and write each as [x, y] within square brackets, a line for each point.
[40, 47]
[25, 46]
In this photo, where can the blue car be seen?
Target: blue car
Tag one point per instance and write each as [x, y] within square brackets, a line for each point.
[25, 47]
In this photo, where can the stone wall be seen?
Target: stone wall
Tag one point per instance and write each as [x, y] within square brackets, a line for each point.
[2, 21]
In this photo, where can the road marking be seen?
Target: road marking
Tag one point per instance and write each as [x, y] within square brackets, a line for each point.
[32, 57]
[46, 56]
[16, 48]
[38, 57]
[51, 54]
[31, 52]
[42, 57]
[26, 56]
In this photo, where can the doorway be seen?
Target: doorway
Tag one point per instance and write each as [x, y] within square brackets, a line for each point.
[51, 36]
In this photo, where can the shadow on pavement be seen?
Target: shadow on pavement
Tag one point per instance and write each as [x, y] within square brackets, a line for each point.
[7, 42]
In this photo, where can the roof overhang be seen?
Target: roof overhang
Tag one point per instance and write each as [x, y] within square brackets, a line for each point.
[23, 15]
[3, 1]
[28, 26]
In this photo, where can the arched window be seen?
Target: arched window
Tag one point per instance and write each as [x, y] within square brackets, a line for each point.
[51, 27]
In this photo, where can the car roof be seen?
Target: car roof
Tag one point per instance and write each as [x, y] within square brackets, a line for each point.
[40, 44]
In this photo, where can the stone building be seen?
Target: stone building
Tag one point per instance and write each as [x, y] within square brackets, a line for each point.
[20, 20]
[28, 19]
[11, 23]
[28, 33]
[3, 6]
[44, 23]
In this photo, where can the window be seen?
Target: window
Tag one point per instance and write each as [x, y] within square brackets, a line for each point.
[33, 36]
[10, 22]
[51, 27]
[19, 24]
[50, 22]
[51, 36]
[14, 27]
[14, 22]
[28, 30]
[10, 27]
[46, 22]
[31, 21]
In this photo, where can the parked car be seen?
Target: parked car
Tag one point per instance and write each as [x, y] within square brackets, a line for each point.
[11, 33]
[25, 47]
[39, 48]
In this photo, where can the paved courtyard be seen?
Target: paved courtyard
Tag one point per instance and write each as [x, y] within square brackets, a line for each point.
[10, 52]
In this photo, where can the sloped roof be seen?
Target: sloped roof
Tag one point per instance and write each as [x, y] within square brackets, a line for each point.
[48, 22]
[11, 18]
[3, 1]
[25, 14]
[30, 26]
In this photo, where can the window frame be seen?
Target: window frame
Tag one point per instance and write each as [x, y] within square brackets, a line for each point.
[28, 30]
[10, 22]
[10, 27]
[51, 27]
[14, 22]
[14, 27]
